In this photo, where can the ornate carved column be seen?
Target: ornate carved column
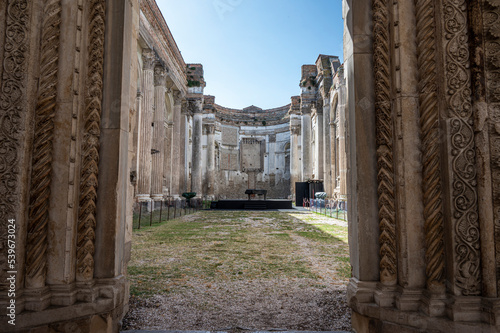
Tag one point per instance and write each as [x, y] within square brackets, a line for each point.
[462, 225]
[195, 105]
[145, 137]
[177, 166]
[38, 219]
[385, 143]
[157, 146]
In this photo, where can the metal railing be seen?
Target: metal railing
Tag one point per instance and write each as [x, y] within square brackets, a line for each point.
[147, 213]
[329, 207]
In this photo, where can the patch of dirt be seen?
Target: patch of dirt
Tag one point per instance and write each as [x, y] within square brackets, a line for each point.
[295, 304]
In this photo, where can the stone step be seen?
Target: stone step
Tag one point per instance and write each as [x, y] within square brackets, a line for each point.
[255, 205]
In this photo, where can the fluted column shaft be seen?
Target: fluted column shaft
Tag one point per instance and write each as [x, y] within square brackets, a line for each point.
[210, 128]
[144, 172]
[167, 164]
[176, 148]
[307, 169]
[319, 147]
[196, 170]
[158, 152]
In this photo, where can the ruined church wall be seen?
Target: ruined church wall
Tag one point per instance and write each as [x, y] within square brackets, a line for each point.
[252, 157]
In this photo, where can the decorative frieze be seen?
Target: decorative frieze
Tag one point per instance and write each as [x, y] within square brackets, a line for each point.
[87, 212]
[12, 113]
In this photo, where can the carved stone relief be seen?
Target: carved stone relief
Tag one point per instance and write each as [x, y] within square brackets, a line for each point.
[491, 30]
[90, 148]
[460, 121]
[12, 113]
[384, 124]
[429, 124]
[38, 219]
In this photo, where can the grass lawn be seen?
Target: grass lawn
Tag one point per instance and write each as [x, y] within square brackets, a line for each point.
[215, 246]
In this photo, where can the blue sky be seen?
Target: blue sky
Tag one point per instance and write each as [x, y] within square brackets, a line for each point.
[252, 50]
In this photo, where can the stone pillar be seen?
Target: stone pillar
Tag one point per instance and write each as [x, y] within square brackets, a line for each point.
[196, 107]
[210, 173]
[295, 142]
[307, 154]
[177, 166]
[145, 136]
[157, 146]
[327, 152]
[342, 136]
[183, 186]
[167, 164]
[362, 163]
[319, 172]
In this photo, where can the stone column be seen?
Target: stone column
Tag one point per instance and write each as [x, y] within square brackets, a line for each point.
[196, 107]
[341, 135]
[157, 148]
[319, 174]
[167, 164]
[210, 131]
[327, 152]
[177, 166]
[307, 170]
[183, 167]
[144, 172]
[295, 156]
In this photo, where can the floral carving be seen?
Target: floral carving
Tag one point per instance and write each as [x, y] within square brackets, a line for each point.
[12, 110]
[464, 193]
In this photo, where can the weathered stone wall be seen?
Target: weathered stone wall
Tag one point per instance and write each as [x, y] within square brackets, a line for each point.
[65, 108]
[421, 137]
[252, 156]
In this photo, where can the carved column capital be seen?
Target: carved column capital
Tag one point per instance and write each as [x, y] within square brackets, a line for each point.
[160, 76]
[148, 59]
[295, 129]
[178, 97]
[306, 106]
[208, 129]
[195, 105]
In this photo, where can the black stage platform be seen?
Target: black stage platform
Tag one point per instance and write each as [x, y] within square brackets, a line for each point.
[252, 204]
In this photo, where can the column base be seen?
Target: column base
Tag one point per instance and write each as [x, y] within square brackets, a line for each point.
[157, 197]
[143, 197]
